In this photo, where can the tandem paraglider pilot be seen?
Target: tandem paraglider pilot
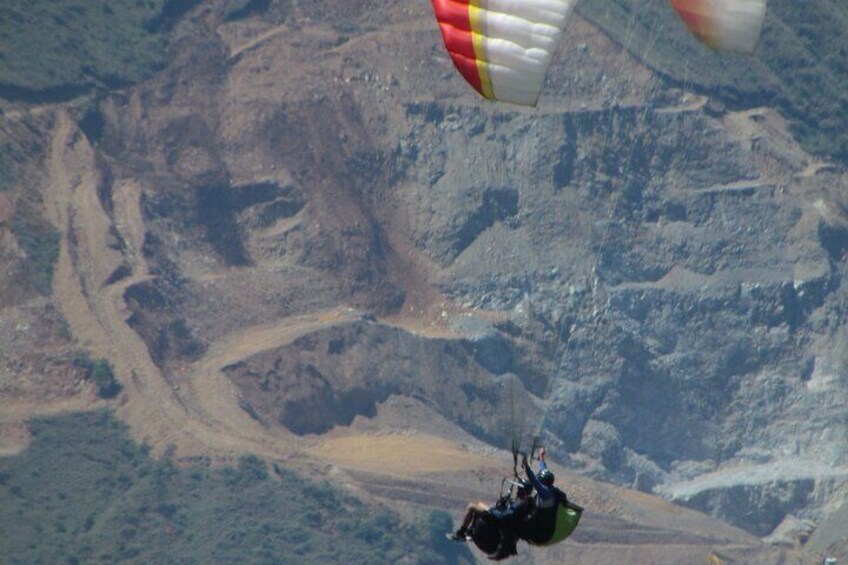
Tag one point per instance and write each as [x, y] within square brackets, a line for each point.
[544, 519]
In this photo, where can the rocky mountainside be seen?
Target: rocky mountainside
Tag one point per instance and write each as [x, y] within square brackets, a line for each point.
[305, 227]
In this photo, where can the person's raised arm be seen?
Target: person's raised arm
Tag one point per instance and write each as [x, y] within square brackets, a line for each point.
[531, 476]
[542, 464]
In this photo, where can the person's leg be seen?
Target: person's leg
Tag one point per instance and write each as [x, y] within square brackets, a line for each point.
[472, 510]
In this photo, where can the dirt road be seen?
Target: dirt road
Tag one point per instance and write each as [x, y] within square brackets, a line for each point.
[199, 413]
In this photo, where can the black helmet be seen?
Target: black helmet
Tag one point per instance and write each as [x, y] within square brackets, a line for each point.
[546, 477]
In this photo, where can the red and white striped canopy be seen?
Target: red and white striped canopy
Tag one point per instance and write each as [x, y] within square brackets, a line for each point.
[727, 25]
[503, 47]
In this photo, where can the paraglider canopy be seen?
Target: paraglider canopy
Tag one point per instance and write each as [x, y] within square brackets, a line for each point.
[726, 25]
[503, 47]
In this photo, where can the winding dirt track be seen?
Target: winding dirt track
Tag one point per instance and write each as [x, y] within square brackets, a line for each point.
[198, 413]
[209, 423]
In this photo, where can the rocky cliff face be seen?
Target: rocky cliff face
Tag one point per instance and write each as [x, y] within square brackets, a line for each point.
[688, 259]
[654, 278]
[328, 378]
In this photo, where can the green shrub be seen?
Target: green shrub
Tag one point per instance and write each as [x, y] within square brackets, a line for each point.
[40, 240]
[8, 166]
[104, 378]
[84, 492]
[101, 372]
[55, 50]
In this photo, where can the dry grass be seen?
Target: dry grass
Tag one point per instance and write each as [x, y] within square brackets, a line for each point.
[405, 455]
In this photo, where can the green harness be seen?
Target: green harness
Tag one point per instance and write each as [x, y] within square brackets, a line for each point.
[565, 522]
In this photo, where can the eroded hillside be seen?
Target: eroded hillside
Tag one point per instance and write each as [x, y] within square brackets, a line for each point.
[305, 234]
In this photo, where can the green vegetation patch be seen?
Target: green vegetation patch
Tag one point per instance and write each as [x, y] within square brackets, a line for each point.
[801, 64]
[10, 157]
[274, 12]
[55, 50]
[40, 240]
[84, 492]
[20, 142]
[101, 372]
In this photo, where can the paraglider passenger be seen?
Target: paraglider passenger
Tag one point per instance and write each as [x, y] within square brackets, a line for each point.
[511, 517]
